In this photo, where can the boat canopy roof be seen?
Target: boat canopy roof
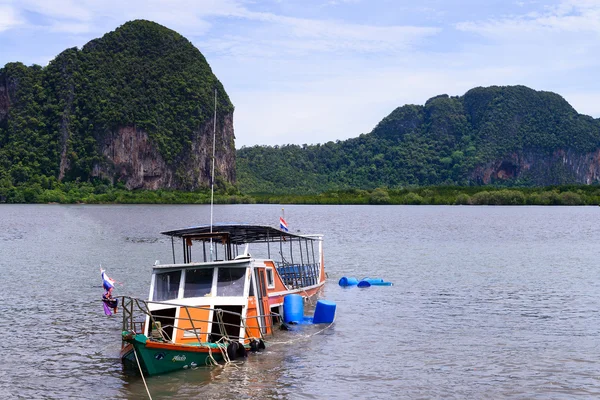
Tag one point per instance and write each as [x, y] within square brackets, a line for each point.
[238, 233]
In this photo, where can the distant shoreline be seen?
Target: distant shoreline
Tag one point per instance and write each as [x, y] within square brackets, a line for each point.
[86, 193]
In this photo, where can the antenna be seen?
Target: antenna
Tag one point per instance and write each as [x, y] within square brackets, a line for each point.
[212, 179]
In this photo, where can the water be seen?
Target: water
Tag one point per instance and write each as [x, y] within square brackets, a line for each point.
[487, 303]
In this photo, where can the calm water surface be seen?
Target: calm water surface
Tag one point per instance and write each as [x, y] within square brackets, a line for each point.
[487, 303]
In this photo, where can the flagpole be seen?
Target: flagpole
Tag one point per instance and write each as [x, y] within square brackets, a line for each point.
[212, 179]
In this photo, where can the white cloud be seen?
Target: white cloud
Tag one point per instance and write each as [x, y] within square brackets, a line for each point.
[334, 36]
[340, 2]
[567, 17]
[9, 17]
[81, 16]
[302, 37]
[277, 33]
[555, 48]
[70, 27]
[63, 9]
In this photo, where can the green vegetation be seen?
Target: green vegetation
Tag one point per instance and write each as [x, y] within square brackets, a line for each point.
[50, 190]
[448, 141]
[54, 121]
[495, 145]
[448, 195]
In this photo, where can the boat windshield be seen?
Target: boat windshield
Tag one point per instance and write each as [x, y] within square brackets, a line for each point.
[230, 281]
[166, 286]
[198, 282]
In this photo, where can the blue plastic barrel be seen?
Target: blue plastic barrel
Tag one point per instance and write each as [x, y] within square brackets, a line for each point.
[364, 283]
[324, 312]
[293, 308]
[348, 281]
[373, 280]
[376, 282]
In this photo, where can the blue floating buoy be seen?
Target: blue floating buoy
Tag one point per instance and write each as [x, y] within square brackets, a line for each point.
[363, 283]
[324, 312]
[293, 308]
[375, 282]
[344, 281]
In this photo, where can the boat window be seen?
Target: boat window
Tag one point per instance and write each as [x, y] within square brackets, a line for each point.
[270, 278]
[166, 286]
[198, 282]
[230, 281]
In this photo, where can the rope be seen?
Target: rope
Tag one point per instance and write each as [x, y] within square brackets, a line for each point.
[219, 343]
[223, 348]
[222, 342]
[308, 297]
[140, 367]
[301, 338]
[210, 361]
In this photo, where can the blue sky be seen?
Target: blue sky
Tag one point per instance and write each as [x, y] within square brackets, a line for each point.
[311, 71]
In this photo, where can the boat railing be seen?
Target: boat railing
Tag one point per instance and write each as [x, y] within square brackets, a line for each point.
[298, 275]
[134, 309]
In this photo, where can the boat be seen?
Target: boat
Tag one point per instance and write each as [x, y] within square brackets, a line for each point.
[222, 298]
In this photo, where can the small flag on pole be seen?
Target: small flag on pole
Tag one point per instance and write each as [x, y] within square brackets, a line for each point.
[108, 301]
[283, 225]
[107, 282]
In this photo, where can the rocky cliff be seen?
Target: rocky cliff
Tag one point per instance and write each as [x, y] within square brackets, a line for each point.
[135, 106]
[131, 157]
[4, 97]
[562, 166]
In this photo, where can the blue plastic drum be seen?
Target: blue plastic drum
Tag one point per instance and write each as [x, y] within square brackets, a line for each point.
[373, 281]
[324, 312]
[344, 281]
[293, 308]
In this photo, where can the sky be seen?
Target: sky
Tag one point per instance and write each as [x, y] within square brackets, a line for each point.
[313, 71]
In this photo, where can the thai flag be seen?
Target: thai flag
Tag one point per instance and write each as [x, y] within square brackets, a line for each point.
[107, 283]
[283, 225]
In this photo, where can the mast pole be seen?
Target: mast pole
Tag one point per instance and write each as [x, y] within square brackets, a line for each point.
[212, 179]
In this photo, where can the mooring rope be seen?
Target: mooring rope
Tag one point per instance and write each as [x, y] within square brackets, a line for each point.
[308, 297]
[301, 338]
[221, 345]
[142, 373]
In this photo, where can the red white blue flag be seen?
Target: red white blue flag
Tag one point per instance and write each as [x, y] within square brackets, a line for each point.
[107, 283]
[283, 225]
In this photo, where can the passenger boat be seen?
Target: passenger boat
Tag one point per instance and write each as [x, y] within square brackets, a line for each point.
[223, 297]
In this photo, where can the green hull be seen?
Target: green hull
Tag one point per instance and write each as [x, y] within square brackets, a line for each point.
[156, 361]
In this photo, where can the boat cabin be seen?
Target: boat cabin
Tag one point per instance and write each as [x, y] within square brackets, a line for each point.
[230, 282]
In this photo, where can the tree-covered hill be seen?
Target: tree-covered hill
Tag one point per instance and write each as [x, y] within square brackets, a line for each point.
[511, 135]
[133, 106]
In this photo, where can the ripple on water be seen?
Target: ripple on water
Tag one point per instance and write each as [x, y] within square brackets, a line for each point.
[487, 303]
